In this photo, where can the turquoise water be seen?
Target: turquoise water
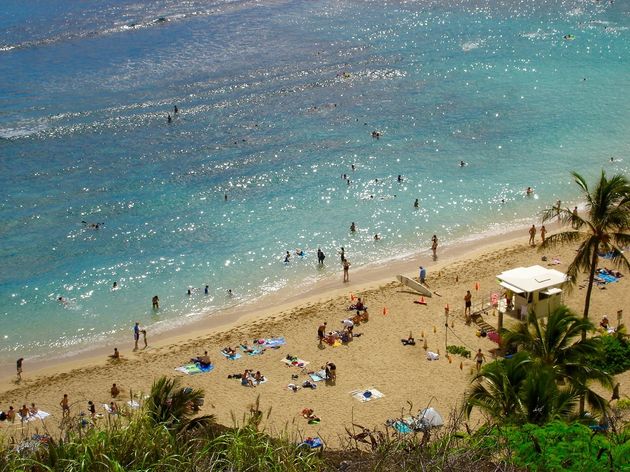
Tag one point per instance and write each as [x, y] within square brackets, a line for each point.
[277, 101]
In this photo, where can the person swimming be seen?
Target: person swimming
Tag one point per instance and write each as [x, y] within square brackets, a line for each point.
[299, 252]
[462, 163]
[529, 191]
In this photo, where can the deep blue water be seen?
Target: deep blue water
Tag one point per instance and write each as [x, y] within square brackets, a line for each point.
[277, 100]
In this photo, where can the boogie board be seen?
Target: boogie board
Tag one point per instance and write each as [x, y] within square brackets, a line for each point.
[412, 284]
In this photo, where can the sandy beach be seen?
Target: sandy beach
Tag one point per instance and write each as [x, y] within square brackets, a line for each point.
[375, 359]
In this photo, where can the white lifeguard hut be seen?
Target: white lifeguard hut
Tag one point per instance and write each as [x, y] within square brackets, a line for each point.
[531, 288]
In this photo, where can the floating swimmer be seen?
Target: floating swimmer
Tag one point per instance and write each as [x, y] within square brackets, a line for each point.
[462, 164]
[299, 252]
[569, 37]
[529, 191]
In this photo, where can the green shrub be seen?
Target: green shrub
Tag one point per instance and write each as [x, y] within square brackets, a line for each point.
[458, 350]
[616, 358]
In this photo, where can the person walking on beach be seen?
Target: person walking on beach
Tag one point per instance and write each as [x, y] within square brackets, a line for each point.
[19, 368]
[467, 305]
[155, 301]
[543, 232]
[321, 332]
[346, 267]
[423, 274]
[136, 335]
[434, 245]
[575, 214]
[65, 406]
[532, 235]
[144, 337]
[479, 358]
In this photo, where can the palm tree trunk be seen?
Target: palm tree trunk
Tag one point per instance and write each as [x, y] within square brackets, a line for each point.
[587, 304]
[589, 289]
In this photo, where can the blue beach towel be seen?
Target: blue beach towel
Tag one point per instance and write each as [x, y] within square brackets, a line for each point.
[274, 342]
[312, 442]
[318, 376]
[232, 357]
[607, 278]
[194, 368]
[402, 427]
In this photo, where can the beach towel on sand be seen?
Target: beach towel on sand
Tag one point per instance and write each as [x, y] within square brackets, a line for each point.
[318, 376]
[366, 394]
[40, 415]
[295, 362]
[255, 352]
[312, 443]
[232, 357]
[274, 342]
[194, 368]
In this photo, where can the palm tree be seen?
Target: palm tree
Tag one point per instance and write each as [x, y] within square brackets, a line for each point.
[558, 347]
[174, 407]
[519, 391]
[603, 229]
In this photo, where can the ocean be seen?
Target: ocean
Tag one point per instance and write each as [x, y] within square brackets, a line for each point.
[278, 100]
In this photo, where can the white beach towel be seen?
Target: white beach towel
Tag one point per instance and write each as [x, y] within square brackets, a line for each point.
[40, 415]
[133, 404]
[298, 363]
[366, 394]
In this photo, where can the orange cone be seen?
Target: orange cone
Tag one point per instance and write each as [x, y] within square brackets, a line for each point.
[422, 301]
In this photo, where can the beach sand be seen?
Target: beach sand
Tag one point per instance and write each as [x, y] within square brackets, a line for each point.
[375, 359]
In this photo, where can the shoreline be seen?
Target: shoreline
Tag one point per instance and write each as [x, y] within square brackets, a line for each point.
[376, 358]
[365, 277]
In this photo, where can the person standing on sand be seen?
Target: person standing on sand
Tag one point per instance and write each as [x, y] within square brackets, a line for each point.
[532, 235]
[19, 368]
[136, 335]
[434, 245]
[65, 406]
[467, 305]
[144, 337]
[346, 267]
[321, 332]
[423, 274]
[155, 301]
[575, 214]
[114, 391]
[479, 358]
[543, 232]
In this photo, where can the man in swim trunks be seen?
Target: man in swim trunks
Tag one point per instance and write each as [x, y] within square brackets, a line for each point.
[532, 235]
[467, 304]
[321, 332]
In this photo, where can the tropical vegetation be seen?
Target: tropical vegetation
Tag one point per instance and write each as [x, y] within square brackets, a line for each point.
[601, 230]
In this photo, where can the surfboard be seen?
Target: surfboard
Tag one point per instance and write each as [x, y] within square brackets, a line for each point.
[412, 284]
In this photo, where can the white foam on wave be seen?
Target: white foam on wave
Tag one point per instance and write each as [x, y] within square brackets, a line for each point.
[470, 45]
[23, 129]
